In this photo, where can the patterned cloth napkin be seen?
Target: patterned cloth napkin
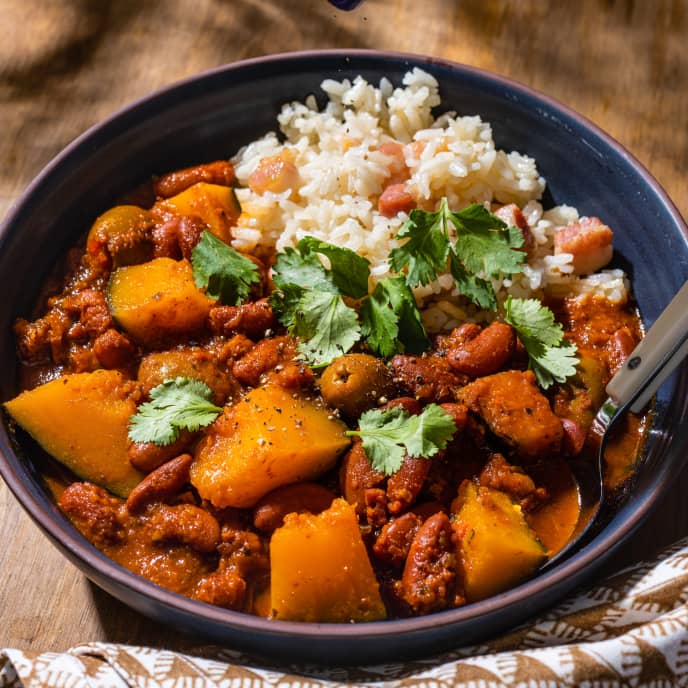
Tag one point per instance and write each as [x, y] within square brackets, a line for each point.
[630, 630]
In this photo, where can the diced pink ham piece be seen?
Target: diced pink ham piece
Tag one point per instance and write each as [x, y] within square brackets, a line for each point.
[395, 199]
[589, 241]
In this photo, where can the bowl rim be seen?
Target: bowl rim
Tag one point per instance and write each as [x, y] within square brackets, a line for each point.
[97, 565]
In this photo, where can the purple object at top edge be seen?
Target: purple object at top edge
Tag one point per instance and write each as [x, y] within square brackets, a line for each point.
[346, 4]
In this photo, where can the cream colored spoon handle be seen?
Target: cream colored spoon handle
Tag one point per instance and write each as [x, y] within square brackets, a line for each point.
[654, 359]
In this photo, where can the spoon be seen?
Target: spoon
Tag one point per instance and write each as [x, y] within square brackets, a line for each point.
[664, 346]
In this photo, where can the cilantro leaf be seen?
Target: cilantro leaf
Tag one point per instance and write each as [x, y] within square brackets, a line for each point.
[284, 302]
[388, 435]
[348, 272]
[224, 273]
[391, 322]
[475, 288]
[326, 326]
[298, 270]
[425, 253]
[308, 300]
[180, 404]
[431, 430]
[555, 364]
[552, 358]
[484, 248]
[294, 273]
[489, 251]
[477, 217]
[534, 322]
[302, 269]
[380, 324]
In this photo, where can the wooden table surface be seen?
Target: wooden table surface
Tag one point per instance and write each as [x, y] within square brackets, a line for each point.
[622, 63]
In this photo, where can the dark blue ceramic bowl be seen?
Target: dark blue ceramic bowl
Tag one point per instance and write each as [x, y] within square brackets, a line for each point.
[210, 116]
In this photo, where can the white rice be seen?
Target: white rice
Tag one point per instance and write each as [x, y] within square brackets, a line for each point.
[342, 173]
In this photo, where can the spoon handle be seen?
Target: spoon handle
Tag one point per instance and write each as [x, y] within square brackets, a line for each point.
[664, 346]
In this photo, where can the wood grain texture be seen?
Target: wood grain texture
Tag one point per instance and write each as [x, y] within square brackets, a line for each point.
[623, 64]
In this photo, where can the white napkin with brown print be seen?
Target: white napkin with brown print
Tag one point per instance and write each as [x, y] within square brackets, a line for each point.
[630, 630]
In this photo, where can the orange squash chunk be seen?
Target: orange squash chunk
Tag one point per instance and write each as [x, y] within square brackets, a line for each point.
[320, 569]
[498, 548]
[266, 440]
[216, 205]
[156, 299]
[82, 420]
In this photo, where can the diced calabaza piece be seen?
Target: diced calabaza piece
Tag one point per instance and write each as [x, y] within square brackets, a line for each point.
[82, 420]
[497, 547]
[333, 580]
[516, 411]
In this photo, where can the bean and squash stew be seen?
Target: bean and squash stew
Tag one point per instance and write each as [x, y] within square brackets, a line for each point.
[205, 434]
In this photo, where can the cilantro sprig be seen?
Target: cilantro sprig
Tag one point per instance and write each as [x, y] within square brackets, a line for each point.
[309, 297]
[322, 295]
[348, 272]
[224, 273]
[391, 321]
[388, 435]
[326, 326]
[552, 358]
[484, 248]
[180, 404]
[329, 308]
[425, 253]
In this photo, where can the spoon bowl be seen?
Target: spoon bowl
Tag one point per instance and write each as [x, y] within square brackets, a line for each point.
[661, 350]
